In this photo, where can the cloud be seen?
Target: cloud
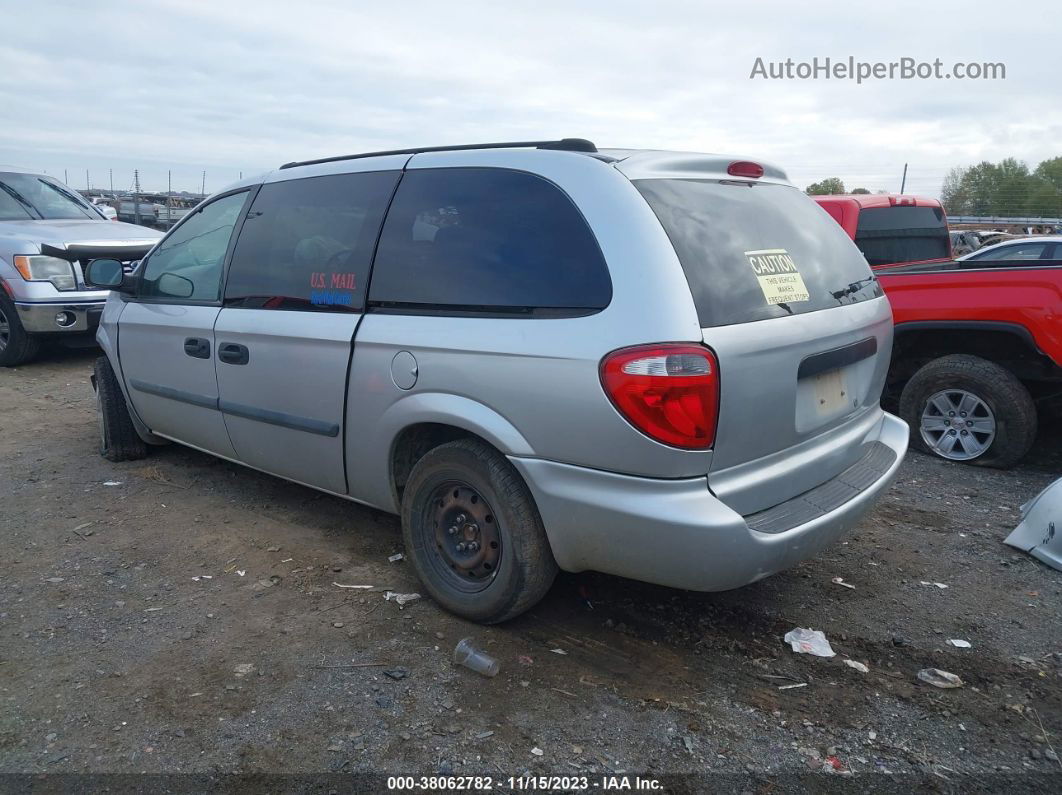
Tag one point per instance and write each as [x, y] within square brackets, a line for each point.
[245, 86]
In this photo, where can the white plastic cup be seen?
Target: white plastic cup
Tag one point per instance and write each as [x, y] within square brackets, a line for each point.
[468, 655]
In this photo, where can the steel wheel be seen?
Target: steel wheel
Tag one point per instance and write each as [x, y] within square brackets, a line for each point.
[957, 425]
[5, 329]
[467, 543]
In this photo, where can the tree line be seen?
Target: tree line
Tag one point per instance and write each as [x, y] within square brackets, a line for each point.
[1007, 188]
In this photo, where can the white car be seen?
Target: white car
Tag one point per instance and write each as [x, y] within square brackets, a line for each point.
[109, 212]
[1044, 247]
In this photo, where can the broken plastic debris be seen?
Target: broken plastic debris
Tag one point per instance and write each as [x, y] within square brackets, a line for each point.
[858, 666]
[1037, 534]
[537, 751]
[396, 557]
[940, 585]
[790, 687]
[939, 678]
[961, 644]
[840, 581]
[809, 641]
[54, 579]
[558, 651]
[241, 572]
[112, 483]
[341, 585]
[466, 654]
[832, 764]
[243, 669]
[401, 598]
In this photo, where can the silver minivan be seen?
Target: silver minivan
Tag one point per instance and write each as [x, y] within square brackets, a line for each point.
[542, 355]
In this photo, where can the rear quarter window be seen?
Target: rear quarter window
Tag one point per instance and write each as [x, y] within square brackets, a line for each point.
[753, 252]
[479, 239]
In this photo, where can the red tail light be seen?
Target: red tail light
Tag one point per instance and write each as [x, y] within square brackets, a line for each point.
[744, 168]
[670, 392]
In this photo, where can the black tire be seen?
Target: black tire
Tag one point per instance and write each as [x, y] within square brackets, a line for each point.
[118, 438]
[524, 569]
[16, 346]
[1007, 398]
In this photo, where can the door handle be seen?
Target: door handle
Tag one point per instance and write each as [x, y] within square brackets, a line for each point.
[197, 347]
[231, 353]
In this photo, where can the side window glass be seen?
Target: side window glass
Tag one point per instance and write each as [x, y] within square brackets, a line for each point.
[487, 238]
[1027, 251]
[187, 264]
[307, 243]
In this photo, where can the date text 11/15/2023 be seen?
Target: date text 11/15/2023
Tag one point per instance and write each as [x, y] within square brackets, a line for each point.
[612, 783]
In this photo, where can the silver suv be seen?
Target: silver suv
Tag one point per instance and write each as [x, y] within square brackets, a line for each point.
[659, 365]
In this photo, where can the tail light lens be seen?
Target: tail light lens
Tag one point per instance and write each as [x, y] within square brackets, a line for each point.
[670, 392]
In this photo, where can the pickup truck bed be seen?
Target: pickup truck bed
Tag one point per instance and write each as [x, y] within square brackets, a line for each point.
[987, 334]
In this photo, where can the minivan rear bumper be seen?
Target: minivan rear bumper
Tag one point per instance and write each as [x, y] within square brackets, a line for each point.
[676, 533]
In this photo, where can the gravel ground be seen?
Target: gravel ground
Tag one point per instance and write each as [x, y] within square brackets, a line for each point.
[181, 615]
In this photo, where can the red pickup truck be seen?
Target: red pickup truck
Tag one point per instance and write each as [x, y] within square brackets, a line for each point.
[891, 228]
[977, 345]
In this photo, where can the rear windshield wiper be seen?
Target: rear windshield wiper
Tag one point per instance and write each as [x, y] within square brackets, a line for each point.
[14, 194]
[854, 287]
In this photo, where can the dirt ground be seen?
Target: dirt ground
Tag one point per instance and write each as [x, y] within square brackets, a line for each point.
[181, 615]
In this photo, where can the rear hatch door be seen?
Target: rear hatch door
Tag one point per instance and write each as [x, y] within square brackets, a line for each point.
[798, 324]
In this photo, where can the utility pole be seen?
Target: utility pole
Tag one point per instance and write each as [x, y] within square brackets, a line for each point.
[903, 183]
[169, 198]
[88, 183]
[66, 179]
[110, 173]
[136, 196]
[202, 189]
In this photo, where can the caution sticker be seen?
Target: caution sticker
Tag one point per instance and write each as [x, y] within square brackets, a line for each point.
[778, 276]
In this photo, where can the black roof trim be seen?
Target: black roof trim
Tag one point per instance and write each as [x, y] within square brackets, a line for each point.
[564, 144]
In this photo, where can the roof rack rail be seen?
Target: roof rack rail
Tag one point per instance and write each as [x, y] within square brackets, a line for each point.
[564, 144]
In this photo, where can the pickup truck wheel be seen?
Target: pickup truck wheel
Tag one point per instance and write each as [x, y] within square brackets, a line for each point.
[16, 346]
[473, 533]
[118, 438]
[965, 408]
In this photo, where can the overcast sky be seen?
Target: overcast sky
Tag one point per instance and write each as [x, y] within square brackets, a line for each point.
[234, 86]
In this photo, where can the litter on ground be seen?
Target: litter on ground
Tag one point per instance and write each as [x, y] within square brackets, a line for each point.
[857, 665]
[401, 598]
[939, 678]
[809, 641]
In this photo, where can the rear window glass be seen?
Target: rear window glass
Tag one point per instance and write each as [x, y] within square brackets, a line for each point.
[753, 253]
[888, 235]
[482, 239]
[307, 243]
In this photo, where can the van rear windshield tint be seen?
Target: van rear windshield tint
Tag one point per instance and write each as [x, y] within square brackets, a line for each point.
[889, 235]
[757, 252]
